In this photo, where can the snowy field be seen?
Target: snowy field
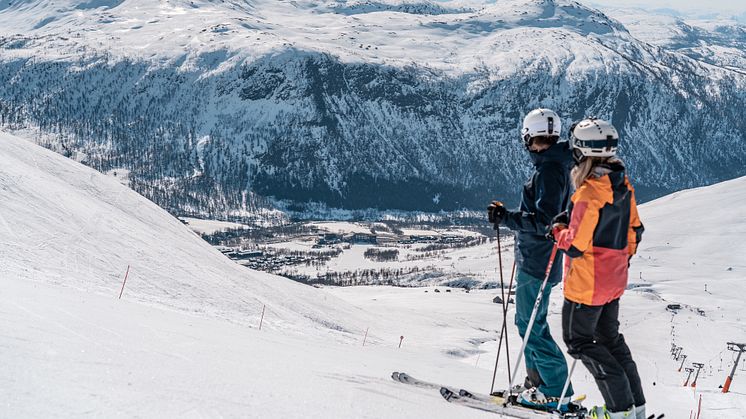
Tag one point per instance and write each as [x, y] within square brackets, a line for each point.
[427, 255]
[476, 265]
[184, 339]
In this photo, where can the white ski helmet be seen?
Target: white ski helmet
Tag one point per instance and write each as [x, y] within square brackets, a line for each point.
[540, 123]
[593, 137]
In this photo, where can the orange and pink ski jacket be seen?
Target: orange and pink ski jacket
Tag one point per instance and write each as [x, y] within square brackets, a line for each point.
[603, 234]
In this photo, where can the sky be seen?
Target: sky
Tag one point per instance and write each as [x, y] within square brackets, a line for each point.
[687, 7]
[701, 9]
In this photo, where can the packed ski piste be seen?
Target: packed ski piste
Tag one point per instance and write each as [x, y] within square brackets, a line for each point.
[578, 203]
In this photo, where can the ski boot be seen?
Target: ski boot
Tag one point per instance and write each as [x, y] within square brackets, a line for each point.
[516, 389]
[600, 412]
[535, 399]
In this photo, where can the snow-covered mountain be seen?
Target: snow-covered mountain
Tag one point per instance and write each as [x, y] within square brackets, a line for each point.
[720, 42]
[411, 105]
[63, 223]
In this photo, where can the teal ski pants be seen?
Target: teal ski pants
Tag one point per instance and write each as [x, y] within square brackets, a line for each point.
[545, 363]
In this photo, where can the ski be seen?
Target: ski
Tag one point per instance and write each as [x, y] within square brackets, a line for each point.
[489, 403]
[509, 410]
[408, 379]
[495, 398]
[516, 410]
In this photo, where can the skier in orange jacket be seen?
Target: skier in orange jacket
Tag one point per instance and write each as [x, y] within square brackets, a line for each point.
[599, 234]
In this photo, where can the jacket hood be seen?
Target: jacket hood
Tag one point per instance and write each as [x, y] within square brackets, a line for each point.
[614, 170]
[557, 153]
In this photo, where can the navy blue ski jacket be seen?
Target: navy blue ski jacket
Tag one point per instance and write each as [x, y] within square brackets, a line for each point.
[546, 194]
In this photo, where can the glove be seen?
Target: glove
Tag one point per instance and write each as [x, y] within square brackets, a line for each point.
[559, 223]
[561, 218]
[554, 230]
[496, 212]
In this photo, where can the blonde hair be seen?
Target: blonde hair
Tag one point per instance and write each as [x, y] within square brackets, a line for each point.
[583, 170]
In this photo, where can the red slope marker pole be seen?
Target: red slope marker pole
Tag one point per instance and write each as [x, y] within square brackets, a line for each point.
[126, 274]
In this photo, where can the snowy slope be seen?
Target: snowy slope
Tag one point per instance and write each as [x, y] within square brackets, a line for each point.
[71, 348]
[68, 354]
[692, 254]
[183, 341]
[64, 223]
[699, 229]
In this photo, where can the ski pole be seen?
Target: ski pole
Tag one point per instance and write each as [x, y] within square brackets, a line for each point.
[505, 320]
[533, 316]
[567, 385]
[504, 332]
[502, 303]
[503, 329]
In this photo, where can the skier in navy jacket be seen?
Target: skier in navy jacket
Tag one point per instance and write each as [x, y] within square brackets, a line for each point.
[545, 194]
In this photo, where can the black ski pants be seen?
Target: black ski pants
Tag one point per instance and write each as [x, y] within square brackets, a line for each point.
[592, 335]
